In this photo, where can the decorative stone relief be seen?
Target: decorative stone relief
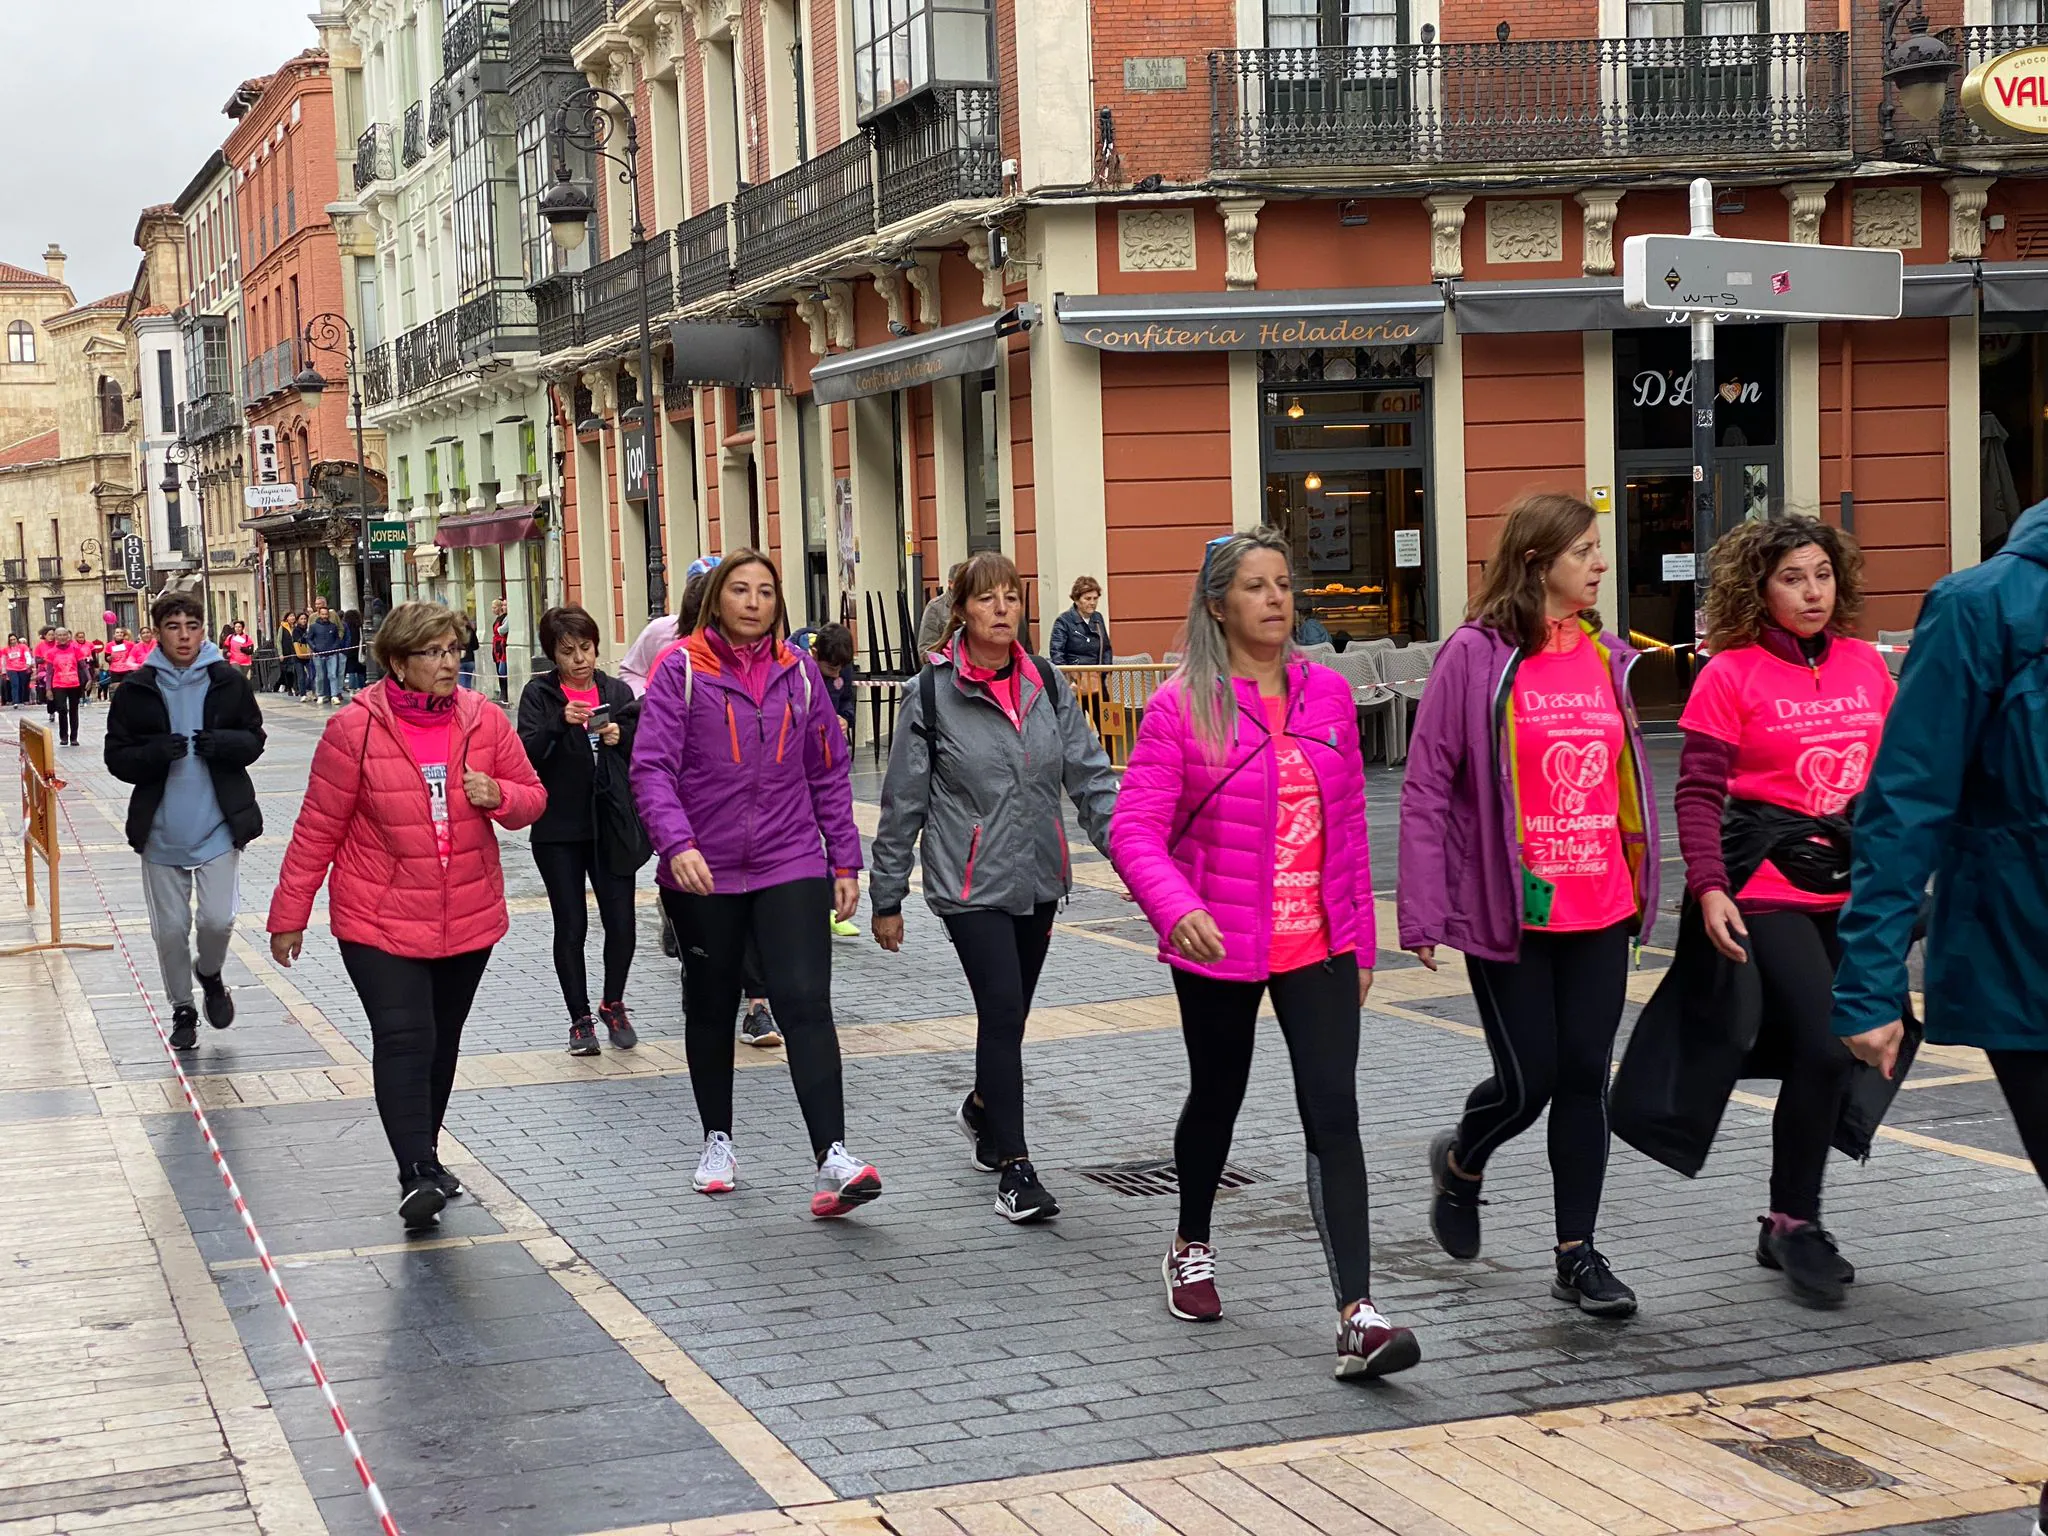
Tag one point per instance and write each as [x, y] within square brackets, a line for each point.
[1156, 240]
[604, 390]
[1240, 240]
[994, 275]
[1447, 234]
[1966, 198]
[812, 313]
[1809, 200]
[1602, 208]
[924, 282]
[888, 283]
[1524, 230]
[1885, 217]
[839, 314]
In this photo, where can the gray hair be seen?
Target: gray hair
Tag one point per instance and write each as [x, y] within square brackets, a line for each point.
[1205, 657]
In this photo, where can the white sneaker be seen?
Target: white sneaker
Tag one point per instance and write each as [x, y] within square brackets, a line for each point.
[844, 1183]
[718, 1171]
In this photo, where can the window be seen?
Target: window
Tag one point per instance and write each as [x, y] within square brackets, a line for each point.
[1697, 18]
[2016, 13]
[433, 472]
[458, 467]
[529, 450]
[21, 342]
[404, 478]
[1333, 23]
[166, 394]
[901, 47]
[980, 451]
[113, 408]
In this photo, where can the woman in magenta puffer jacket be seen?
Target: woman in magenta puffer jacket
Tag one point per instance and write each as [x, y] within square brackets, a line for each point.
[744, 783]
[409, 784]
[1241, 832]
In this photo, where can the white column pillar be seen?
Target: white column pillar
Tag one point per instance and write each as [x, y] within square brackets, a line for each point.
[1598, 350]
[1447, 473]
[1802, 419]
[1066, 415]
[1965, 451]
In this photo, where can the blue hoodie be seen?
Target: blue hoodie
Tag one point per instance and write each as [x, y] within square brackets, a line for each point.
[189, 829]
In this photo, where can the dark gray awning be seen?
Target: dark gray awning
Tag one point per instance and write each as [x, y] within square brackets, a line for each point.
[2015, 288]
[1546, 304]
[740, 354]
[1949, 288]
[1252, 321]
[954, 352]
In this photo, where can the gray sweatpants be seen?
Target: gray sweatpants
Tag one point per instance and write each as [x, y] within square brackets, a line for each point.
[169, 890]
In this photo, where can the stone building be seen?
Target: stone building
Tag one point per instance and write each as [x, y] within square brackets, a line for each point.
[28, 377]
[156, 368]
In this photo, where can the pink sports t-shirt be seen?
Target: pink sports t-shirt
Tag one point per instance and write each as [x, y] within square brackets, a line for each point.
[1301, 927]
[65, 664]
[17, 658]
[1569, 736]
[1804, 737]
[239, 649]
[429, 747]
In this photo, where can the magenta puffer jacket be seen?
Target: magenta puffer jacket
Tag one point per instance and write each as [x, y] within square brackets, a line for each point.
[1195, 831]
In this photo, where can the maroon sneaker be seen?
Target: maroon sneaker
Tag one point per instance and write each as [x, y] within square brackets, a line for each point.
[620, 1028]
[1369, 1346]
[1191, 1284]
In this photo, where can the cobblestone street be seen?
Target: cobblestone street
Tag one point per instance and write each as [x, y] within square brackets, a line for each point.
[587, 1346]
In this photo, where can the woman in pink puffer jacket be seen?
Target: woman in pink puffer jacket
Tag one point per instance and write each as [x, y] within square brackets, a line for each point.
[1241, 832]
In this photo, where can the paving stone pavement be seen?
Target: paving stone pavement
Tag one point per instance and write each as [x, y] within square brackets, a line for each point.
[589, 1346]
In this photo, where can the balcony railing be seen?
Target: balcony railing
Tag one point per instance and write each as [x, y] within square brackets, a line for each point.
[415, 149]
[611, 290]
[50, 570]
[427, 354]
[377, 381]
[271, 371]
[478, 31]
[209, 416]
[704, 254]
[824, 202]
[373, 156]
[942, 146]
[542, 33]
[1972, 46]
[15, 573]
[440, 107]
[497, 322]
[586, 16]
[558, 309]
[1653, 98]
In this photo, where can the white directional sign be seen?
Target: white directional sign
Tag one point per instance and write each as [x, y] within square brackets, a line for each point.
[1690, 274]
[270, 498]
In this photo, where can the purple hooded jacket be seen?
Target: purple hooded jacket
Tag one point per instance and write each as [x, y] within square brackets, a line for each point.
[764, 791]
[1460, 879]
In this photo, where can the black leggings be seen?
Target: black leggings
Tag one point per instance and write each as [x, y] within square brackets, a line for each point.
[1318, 1009]
[64, 702]
[1550, 1020]
[416, 1009]
[1795, 954]
[564, 868]
[788, 921]
[2023, 1078]
[1002, 955]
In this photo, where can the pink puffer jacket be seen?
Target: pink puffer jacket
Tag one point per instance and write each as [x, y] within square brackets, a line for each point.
[1193, 831]
[366, 817]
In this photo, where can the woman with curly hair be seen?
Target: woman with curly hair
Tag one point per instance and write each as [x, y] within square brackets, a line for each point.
[1780, 733]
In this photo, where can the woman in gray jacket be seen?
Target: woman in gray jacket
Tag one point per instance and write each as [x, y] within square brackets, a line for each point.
[988, 736]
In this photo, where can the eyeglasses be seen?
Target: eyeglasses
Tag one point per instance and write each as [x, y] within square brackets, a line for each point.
[1209, 549]
[437, 653]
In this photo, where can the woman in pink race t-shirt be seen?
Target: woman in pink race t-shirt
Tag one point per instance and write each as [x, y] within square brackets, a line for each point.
[1780, 734]
[18, 661]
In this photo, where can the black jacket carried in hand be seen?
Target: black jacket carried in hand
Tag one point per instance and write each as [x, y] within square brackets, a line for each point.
[141, 746]
[588, 793]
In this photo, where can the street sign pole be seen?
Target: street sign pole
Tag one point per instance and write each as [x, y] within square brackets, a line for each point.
[1705, 505]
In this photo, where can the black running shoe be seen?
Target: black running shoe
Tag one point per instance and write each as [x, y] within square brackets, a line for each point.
[220, 1003]
[449, 1185]
[583, 1037]
[973, 1122]
[758, 1028]
[184, 1028]
[1454, 1211]
[1807, 1256]
[420, 1206]
[618, 1026]
[669, 946]
[1763, 1249]
[1583, 1276]
[1022, 1198]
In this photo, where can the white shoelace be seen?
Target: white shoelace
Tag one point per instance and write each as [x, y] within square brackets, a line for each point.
[718, 1156]
[840, 1165]
[1194, 1264]
[1367, 1316]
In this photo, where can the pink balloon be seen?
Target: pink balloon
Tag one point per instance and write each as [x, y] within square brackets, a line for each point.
[107, 617]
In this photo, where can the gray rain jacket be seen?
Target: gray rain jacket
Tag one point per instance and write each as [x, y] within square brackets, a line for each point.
[988, 821]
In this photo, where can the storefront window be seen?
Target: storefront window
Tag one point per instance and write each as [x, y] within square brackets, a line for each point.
[2012, 428]
[984, 508]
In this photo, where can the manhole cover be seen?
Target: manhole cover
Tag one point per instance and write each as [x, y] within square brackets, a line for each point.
[1811, 1463]
[1160, 1177]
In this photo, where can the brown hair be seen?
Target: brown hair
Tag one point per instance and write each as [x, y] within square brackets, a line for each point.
[1083, 585]
[988, 571]
[566, 623]
[1541, 527]
[176, 605]
[715, 584]
[409, 627]
[1743, 561]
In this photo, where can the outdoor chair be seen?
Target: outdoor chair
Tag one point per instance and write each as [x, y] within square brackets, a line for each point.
[1406, 672]
[1376, 703]
[1895, 660]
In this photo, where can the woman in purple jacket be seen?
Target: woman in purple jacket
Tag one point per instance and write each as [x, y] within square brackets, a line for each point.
[744, 783]
[1529, 842]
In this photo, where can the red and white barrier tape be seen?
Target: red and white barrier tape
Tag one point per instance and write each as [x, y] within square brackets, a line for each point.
[385, 1521]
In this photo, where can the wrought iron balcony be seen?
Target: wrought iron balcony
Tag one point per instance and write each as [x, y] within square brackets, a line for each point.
[497, 322]
[373, 156]
[440, 107]
[209, 416]
[378, 388]
[15, 573]
[542, 34]
[704, 254]
[824, 202]
[427, 354]
[1536, 102]
[611, 290]
[415, 149]
[50, 570]
[1972, 46]
[941, 146]
[475, 31]
[558, 310]
[271, 371]
[586, 16]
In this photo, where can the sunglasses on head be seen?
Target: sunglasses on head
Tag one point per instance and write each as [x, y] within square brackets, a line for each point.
[1209, 549]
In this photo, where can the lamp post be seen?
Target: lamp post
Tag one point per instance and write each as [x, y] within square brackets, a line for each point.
[332, 333]
[1917, 68]
[174, 456]
[586, 120]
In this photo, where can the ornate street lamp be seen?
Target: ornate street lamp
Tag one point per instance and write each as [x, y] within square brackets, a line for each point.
[333, 334]
[1917, 68]
[176, 455]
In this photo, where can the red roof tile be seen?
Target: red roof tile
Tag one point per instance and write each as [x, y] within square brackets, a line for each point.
[9, 273]
[30, 450]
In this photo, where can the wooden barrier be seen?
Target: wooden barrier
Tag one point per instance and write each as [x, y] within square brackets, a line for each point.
[40, 787]
[1115, 698]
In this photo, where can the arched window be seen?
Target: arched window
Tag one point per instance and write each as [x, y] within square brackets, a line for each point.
[113, 407]
[21, 342]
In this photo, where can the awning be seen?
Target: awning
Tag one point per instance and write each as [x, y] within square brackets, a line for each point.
[1252, 321]
[1949, 288]
[1545, 304]
[2015, 288]
[949, 353]
[487, 530]
[735, 353]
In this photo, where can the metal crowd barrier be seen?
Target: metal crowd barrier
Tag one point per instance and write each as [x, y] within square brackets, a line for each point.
[1114, 699]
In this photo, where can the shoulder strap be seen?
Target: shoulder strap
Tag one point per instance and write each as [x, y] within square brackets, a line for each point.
[1048, 676]
[928, 724]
